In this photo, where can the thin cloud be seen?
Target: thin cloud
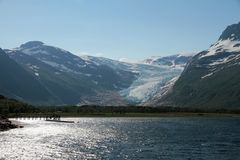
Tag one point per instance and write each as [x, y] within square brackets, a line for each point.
[189, 53]
[127, 60]
[81, 54]
[99, 54]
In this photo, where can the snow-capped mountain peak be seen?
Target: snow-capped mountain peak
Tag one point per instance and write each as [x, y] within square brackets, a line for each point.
[150, 60]
[211, 78]
[227, 45]
[228, 42]
[53, 56]
[177, 60]
[31, 44]
[231, 32]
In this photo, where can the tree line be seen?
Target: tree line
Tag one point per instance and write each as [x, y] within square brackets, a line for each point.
[12, 106]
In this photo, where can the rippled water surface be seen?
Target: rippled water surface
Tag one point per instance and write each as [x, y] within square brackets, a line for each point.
[125, 138]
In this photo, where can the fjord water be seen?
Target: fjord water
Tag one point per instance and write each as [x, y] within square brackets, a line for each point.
[177, 138]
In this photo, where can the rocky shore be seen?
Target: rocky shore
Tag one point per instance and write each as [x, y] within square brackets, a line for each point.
[5, 124]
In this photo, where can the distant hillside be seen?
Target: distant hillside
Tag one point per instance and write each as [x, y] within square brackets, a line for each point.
[8, 105]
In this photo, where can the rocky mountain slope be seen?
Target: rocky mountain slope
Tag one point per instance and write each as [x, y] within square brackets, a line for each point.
[212, 78]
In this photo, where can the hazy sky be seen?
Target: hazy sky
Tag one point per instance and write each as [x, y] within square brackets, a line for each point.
[132, 29]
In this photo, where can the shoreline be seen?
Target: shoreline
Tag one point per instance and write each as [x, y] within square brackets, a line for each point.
[170, 114]
[6, 125]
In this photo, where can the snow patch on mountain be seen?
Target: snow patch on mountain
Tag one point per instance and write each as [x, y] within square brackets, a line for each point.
[207, 75]
[34, 50]
[228, 45]
[150, 60]
[225, 60]
[60, 49]
[53, 64]
[175, 61]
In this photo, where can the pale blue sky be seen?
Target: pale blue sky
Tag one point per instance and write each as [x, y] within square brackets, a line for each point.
[133, 29]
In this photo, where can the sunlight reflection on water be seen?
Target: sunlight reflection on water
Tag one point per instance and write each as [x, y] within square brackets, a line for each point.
[40, 139]
[124, 138]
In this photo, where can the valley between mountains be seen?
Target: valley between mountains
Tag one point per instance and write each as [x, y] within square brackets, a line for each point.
[41, 74]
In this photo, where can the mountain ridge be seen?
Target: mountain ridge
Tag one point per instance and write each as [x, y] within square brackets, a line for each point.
[211, 79]
[17, 82]
[72, 79]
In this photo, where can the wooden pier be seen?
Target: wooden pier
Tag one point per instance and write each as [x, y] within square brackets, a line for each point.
[38, 117]
[51, 118]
